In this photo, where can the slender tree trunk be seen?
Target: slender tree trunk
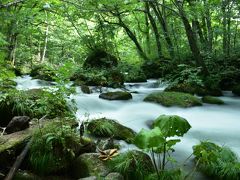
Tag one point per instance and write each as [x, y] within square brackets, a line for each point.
[132, 36]
[46, 38]
[224, 23]
[162, 22]
[156, 33]
[147, 30]
[209, 27]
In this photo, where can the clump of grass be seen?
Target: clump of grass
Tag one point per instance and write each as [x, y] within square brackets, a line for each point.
[217, 162]
[133, 165]
[53, 148]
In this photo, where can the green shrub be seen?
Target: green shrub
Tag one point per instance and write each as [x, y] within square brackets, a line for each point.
[53, 148]
[217, 162]
[35, 103]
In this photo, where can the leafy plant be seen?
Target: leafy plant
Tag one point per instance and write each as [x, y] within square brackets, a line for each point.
[215, 161]
[53, 147]
[159, 140]
[132, 164]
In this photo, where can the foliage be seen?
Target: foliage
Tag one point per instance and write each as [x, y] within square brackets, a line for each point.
[157, 140]
[173, 99]
[132, 164]
[36, 103]
[185, 74]
[53, 147]
[217, 162]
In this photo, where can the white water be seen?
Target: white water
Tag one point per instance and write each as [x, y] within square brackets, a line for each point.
[217, 123]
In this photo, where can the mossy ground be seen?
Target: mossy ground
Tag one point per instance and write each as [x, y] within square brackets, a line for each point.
[212, 100]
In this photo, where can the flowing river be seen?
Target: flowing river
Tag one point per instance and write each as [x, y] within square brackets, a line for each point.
[216, 123]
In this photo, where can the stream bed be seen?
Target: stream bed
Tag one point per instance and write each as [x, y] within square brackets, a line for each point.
[217, 123]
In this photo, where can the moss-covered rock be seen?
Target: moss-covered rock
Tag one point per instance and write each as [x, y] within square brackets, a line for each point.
[43, 73]
[212, 100]
[236, 90]
[194, 89]
[100, 59]
[118, 95]
[88, 164]
[11, 146]
[110, 128]
[173, 99]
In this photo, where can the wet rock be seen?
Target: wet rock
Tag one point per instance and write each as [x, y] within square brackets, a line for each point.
[11, 146]
[18, 123]
[88, 164]
[173, 99]
[110, 128]
[118, 95]
[85, 89]
[212, 100]
[114, 176]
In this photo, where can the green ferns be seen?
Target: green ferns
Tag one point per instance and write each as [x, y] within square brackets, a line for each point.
[217, 162]
[53, 148]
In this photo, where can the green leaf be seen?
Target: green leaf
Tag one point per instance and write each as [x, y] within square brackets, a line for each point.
[172, 125]
[147, 139]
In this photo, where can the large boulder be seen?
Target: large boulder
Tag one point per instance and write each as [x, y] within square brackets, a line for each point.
[18, 123]
[118, 95]
[212, 100]
[100, 59]
[88, 164]
[85, 89]
[173, 99]
[110, 128]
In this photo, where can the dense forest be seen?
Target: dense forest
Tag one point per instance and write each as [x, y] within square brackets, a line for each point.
[107, 89]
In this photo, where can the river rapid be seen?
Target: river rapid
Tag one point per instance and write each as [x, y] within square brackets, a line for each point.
[216, 123]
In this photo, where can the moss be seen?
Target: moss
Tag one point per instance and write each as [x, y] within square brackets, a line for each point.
[236, 90]
[212, 100]
[194, 89]
[217, 162]
[118, 95]
[173, 99]
[109, 128]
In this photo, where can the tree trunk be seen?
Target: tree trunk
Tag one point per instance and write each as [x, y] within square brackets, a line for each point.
[191, 40]
[162, 22]
[46, 39]
[156, 33]
[148, 50]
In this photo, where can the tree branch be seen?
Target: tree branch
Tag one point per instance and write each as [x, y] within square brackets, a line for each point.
[11, 4]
